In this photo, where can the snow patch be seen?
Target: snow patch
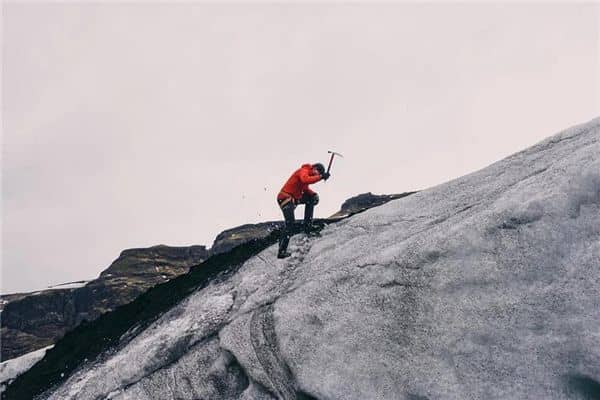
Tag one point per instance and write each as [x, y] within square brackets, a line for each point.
[12, 368]
[69, 285]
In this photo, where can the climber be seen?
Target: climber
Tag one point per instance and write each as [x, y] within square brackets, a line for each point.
[294, 192]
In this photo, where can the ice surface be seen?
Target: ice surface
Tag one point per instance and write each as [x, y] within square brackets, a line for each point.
[485, 287]
[12, 368]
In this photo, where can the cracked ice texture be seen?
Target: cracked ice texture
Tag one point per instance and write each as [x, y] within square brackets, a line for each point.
[485, 287]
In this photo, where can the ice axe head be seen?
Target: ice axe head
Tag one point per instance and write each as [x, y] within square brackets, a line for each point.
[333, 154]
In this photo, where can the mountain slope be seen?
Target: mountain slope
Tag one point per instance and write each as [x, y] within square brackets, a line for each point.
[487, 286]
[31, 321]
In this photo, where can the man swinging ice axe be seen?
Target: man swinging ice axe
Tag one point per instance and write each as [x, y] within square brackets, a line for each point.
[296, 191]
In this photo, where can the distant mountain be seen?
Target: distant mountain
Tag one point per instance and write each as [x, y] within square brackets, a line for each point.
[485, 287]
[31, 321]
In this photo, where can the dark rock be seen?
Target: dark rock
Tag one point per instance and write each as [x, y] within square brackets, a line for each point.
[155, 260]
[18, 342]
[365, 201]
[231, 238]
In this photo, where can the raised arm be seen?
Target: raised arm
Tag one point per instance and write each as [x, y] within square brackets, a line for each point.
[306, 177]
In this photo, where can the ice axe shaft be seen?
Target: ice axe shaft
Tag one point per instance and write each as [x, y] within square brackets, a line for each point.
[333, 154]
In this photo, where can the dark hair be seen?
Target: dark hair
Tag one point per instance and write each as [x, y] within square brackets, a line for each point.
[319, 167]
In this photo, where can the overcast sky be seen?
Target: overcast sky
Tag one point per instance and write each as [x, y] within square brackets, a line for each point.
[134, 125]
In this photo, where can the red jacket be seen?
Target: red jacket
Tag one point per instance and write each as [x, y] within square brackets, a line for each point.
[298, 183]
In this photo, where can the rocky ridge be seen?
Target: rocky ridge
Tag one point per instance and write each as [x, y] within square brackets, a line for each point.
[31, 321]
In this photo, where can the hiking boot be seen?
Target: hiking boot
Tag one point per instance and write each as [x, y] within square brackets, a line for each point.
[311, 230]
[283, 254]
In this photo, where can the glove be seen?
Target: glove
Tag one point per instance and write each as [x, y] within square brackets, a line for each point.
[325, 176]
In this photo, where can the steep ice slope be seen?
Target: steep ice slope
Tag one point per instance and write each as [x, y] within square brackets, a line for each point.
[485, 287]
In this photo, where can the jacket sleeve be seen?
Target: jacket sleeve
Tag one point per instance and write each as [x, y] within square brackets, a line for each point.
[305, 177]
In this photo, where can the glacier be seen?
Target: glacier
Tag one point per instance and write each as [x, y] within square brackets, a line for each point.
[485, 287]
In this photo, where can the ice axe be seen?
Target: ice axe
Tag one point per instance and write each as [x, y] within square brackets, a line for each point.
[333, 154]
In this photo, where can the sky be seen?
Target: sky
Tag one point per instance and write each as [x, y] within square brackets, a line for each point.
[131, 125]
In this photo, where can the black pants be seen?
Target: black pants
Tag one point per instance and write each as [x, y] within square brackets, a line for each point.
[288, 205]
